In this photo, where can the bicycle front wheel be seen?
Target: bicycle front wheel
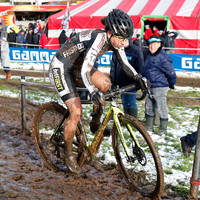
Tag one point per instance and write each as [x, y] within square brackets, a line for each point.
[139, 161]
[50, 145]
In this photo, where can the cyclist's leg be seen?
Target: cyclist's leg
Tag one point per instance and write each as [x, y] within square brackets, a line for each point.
[102, 82]
[61, 79]
[75, 111]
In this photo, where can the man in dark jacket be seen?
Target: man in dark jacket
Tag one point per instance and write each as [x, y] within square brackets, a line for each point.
[62, 38]
[12, 37]
[36, 38]
[118, 76]
[169, 46]
[140, 42]
[73, 33]
[29, 38]
[159, 71]
[20, 38]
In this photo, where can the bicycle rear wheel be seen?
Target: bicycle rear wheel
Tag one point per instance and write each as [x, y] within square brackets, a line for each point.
[49, 118]
[141, 166]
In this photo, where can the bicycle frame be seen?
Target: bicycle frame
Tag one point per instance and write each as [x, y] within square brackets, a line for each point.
[99, 134]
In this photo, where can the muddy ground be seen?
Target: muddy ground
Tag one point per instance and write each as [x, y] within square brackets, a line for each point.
[23, 174]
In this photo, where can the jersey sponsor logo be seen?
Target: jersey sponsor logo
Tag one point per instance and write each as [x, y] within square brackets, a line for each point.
[101, 43]
[57, 79]
[85, 35]
[77, 47]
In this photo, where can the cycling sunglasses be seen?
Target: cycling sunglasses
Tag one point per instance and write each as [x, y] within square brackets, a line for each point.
[120, 37]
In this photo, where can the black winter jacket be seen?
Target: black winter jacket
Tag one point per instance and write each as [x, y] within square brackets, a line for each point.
[141, 43]
[135, 58]
[169, 41]
[62, 38]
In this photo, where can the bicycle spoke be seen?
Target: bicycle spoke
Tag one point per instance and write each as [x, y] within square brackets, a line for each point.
[140, 163]
[50, 144]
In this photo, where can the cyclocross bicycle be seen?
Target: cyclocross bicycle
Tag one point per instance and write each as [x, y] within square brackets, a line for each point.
[135, 151]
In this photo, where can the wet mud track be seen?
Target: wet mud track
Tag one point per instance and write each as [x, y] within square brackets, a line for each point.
[23, 174]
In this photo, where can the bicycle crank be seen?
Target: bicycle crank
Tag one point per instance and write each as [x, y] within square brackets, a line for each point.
[85, 156]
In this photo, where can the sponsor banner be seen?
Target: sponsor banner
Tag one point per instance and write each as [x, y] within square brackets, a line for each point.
[180, 61]
[27, 55]
[186, 62]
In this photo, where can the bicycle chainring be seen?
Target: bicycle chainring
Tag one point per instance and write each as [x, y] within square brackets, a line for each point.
[140, 155]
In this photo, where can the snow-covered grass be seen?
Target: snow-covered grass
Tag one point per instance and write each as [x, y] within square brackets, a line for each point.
[182, 121]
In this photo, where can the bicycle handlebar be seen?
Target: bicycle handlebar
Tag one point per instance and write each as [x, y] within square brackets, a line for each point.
[115, 92]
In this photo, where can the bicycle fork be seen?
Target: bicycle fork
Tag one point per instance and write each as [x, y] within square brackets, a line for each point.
[116, 113]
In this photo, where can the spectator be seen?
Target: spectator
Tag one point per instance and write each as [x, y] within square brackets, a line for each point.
[12, 37]
[38, 26]
[43, 40]
[20, 38]
[188, 142]
[170, 41]
[119, 77]
[162, 35]
[31, 25]
[155, 31]
[62, 38]
[20, 28]
[159, 71]
[3, 31]
[147, 33]
[140, 42]
[73, 33]
[36, 38]
[5, 58]
[29, 38]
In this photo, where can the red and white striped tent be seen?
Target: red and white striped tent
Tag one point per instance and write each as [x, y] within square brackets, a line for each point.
[181, 16]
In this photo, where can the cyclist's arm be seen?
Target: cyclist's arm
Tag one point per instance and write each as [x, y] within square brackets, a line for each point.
[89, 60]
[123, 61]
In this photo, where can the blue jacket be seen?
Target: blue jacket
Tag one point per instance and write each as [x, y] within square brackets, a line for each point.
[158, 69]
[20, 38]
[135, 58]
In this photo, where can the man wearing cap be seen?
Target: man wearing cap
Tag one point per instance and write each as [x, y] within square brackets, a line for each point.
[169, 46]
[20, 38]
[139, 41]
[148, 32]
[155, 31]
[36, 38]
[159, 71]
[73, 33]
[12, 37]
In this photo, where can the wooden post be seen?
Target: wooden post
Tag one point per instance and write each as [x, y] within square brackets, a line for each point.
[44, 71]
[23, 102]
[194, 181]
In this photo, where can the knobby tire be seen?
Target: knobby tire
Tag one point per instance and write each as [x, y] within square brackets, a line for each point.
[51, 148]
[145, 178]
